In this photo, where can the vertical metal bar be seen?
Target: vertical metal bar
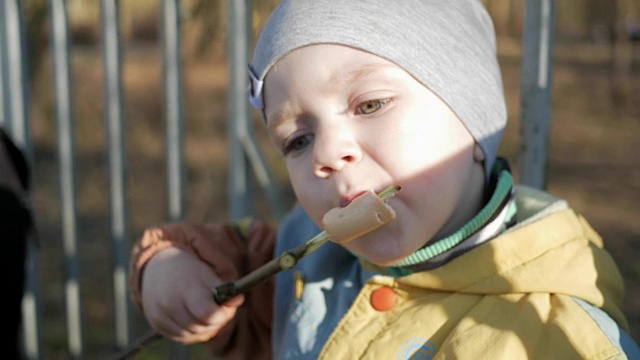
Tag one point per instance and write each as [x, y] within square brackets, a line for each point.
[244, 150]
[172, 55]
[238, 47]
[64, 116]
[174, 107]
[536, 91]
[14, 105]
[261, 170]
[15, 66]
[31, 306]
[4, 95]
[115, 127]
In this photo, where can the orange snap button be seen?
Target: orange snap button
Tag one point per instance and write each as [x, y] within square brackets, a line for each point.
[383, 299]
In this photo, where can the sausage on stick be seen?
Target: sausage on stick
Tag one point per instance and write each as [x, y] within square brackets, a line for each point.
[364, 214]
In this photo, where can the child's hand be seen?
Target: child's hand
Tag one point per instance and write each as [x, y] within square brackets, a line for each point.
[178, 301]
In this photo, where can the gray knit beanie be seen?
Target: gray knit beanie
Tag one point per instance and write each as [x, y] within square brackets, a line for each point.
[447, 45]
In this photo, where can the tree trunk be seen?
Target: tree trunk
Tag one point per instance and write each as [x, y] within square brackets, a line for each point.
[621, 59]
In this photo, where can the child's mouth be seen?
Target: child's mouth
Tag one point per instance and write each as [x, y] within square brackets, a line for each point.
[346, 200]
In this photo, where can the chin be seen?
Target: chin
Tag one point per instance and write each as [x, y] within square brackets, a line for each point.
[379, 250]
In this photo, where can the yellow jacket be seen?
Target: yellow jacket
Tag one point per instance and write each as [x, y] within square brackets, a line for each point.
[511, 298]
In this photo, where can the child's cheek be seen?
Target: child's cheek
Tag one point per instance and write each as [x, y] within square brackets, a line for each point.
[308, 197]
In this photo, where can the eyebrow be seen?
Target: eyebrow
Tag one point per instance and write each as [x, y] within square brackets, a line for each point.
[365, 71]
[349, 79]
[275, 118]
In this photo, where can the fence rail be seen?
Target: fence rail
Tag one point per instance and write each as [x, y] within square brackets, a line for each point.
[245, 160]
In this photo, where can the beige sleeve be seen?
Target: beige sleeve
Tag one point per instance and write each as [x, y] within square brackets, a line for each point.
[231, 252]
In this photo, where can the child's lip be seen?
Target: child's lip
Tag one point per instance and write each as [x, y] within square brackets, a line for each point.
[346, 200]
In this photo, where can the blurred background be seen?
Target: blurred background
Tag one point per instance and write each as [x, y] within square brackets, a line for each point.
[594, 145]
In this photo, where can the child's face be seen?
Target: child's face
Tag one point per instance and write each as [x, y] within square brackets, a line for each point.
[346, 121]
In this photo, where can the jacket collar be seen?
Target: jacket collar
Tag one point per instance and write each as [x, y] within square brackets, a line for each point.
[497, 215]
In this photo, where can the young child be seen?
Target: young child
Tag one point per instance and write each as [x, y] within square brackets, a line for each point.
[359, 96]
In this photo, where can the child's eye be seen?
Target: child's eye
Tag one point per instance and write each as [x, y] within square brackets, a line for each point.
[297, 144]
[371, 106]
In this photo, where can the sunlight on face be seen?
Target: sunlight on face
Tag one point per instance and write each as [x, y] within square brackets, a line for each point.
[346, 121]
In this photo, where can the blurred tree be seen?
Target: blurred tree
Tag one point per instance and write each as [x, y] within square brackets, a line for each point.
[514, 22]
[36, 24]
[507, 16]
[621, 54]
[211, 19]
[600, 19]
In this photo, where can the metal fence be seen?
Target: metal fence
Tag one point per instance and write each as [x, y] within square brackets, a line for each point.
[245, 161]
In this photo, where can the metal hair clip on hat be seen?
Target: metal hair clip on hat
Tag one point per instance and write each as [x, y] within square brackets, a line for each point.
[255, 90]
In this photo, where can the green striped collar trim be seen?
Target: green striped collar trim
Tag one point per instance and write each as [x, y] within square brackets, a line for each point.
[501, 197]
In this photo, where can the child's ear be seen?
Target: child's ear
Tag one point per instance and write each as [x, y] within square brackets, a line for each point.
[478, 153]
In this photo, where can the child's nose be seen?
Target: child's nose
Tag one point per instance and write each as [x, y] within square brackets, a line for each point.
[334, 151]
